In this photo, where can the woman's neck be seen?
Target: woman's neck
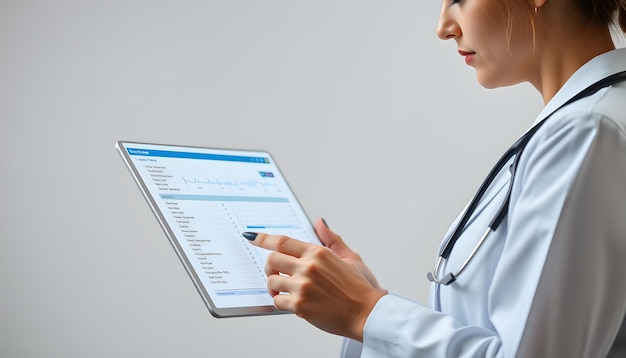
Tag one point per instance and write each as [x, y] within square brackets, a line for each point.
[565, 46]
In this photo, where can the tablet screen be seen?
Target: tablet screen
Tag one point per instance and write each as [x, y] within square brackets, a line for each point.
[204, 200]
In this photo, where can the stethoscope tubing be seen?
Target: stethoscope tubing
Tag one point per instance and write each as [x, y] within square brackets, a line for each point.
[515, 150]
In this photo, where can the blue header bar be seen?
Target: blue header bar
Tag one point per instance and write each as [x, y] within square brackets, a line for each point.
[190, 155]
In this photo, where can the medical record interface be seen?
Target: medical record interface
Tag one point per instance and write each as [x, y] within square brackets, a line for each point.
[208, 198]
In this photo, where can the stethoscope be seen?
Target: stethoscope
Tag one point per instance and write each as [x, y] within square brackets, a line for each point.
[514, 151]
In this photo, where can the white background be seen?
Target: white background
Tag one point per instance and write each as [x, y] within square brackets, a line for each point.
[378, 125]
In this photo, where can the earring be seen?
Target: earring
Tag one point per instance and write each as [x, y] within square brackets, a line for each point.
[536, 9]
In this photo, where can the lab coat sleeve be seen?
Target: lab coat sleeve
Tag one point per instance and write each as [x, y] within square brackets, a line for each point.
[557, 287]
[398, 327]
[350, 348]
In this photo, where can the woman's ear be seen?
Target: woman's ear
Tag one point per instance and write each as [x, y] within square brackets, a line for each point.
[539, 3]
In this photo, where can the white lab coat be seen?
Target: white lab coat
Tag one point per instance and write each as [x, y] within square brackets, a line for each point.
[550, 282]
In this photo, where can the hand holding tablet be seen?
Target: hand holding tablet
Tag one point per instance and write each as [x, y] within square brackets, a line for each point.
[328, 286]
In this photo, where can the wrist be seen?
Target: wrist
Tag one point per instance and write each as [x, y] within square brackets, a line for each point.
[370, 302]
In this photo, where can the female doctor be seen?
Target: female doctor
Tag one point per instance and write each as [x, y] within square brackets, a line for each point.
[544, 241]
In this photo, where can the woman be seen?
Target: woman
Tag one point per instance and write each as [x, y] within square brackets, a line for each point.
[549, 282]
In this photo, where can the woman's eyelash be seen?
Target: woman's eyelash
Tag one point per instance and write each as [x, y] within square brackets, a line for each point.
[454, 2]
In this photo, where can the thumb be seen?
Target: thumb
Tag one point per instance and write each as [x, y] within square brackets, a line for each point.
[336, 245]
[333, 241]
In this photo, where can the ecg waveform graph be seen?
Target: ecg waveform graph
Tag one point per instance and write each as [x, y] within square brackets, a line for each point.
[230, 184]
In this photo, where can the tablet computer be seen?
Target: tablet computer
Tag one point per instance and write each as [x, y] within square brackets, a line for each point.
[204, 199]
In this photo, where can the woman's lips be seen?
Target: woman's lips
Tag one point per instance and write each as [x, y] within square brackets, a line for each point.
[468, 56]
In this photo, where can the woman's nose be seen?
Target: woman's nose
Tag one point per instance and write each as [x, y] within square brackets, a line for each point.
[447, 27]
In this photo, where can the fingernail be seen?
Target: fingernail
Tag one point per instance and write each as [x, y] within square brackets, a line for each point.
[325, 223]
[249, 235]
